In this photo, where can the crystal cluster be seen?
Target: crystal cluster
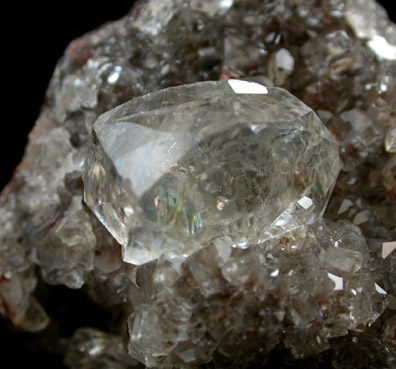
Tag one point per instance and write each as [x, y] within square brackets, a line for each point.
[208, 216]
[301, 289]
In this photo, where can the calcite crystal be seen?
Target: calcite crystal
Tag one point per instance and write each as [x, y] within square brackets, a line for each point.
[228, 162]
[242, 303]
[182, 176]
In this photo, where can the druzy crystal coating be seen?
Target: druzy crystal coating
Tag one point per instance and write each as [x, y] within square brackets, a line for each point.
[230, 161]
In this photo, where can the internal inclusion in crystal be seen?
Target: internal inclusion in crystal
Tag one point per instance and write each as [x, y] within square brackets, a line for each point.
[231, 161]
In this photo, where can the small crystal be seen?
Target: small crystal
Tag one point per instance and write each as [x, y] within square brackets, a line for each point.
[96, 349]
[280, 66]
[345, 205]
[390, 141]
[284, 60]
[361, 217]
[388, 248]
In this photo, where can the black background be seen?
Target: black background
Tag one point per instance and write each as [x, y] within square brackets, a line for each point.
[34, 36]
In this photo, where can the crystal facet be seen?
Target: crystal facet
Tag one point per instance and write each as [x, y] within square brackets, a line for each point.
[235, 161]
[310, 283]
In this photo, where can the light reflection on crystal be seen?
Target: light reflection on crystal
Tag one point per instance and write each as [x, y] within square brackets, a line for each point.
[181, 166]
[244, 87]
[388, 248]
[382, 48]
[305, 202]
[390, 140]
[380, 289]
[114, 76]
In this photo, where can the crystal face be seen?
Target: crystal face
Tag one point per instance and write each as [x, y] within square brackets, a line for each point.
[290, 282]
[230, 161]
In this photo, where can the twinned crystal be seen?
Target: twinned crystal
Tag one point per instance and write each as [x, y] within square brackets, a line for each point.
[215, 162]
[219, 178]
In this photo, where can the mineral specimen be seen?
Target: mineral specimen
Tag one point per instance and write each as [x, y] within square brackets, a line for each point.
[226, 162]
[203, 221]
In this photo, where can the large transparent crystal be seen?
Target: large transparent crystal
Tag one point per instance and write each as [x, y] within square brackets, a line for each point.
[212, 162]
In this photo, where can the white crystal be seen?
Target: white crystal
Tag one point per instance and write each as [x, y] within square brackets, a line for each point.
[345, 205]
[284, 60]
[361, 217]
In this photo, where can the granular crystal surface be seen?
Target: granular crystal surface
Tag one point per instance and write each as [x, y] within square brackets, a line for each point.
[215, 162]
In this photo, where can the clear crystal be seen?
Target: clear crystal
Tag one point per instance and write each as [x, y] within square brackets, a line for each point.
[177, 169]
[312, 283]
[90, 348]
